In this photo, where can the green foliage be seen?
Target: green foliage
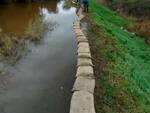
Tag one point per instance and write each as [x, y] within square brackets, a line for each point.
[126, 83]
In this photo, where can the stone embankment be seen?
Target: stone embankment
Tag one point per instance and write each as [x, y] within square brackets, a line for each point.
[83, 90]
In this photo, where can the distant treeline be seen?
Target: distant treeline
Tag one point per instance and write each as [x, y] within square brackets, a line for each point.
[10, 1]
[133, 7]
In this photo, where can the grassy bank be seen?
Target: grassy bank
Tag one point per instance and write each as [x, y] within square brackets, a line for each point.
[135, 10]
[122, 64]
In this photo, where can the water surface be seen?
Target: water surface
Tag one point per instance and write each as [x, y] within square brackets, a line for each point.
[41, 81]
[14, 18]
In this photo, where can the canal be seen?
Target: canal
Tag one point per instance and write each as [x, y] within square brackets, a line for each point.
[41, 81]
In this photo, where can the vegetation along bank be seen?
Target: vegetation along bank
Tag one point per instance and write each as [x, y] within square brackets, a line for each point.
[121, 59]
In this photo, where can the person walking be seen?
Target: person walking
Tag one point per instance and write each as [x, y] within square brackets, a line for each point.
[85, 5]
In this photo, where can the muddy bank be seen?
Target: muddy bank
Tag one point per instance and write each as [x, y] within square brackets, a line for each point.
[141, 28]
[137, 8]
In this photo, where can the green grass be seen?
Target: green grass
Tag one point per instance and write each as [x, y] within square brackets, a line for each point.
[126, 81]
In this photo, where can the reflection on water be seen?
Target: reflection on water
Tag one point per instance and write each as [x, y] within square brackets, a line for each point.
[41, 82]
[14, 18]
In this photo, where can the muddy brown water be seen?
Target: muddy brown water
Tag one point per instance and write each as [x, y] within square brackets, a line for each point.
[41, 81]
[15, 18]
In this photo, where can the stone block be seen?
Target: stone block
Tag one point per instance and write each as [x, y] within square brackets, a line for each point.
[84, 84]
[84, 55]
[82, 102]
[84, 62]
[83, 50]
[85, 71]
[83, 44]
[79, 32]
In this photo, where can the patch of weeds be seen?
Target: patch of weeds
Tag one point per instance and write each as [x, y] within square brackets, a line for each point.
[69, 3]
[35, 30]
[12, 47]
[9, 46]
